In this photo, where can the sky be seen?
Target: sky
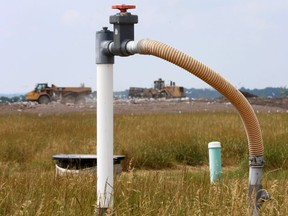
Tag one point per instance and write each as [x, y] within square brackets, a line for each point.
[54, 41]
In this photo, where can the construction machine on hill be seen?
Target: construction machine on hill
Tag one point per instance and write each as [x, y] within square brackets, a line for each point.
[160, 90]
[44, 94]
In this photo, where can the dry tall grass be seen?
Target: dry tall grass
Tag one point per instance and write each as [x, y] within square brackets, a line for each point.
[28, 185]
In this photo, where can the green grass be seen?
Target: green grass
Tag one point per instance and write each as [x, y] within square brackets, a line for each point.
[163, 140]
[160, 151]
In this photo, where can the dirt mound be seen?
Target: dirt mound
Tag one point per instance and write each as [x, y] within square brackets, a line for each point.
[270, 102]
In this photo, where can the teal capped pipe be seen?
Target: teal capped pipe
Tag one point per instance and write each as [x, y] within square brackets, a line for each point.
[215, 164]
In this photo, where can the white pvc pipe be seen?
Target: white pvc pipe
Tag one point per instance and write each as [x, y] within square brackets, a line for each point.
[104, 135]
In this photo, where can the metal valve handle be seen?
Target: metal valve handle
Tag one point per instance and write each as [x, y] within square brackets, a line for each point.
[123, 8]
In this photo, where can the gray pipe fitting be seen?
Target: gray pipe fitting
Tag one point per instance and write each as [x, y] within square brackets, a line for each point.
[103, 39]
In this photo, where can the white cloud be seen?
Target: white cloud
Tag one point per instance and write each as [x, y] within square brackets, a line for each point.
[71, 17]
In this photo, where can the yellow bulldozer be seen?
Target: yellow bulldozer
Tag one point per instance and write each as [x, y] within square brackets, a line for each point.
[44, 94]
[160, 90]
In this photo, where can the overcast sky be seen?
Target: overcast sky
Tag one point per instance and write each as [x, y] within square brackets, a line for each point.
[54, 41]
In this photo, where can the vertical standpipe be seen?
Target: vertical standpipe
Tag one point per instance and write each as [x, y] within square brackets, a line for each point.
[104, 64]
[123, 32]
[104, 135]
[215, 164]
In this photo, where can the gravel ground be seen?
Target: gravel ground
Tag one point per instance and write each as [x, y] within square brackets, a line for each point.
[138, 106]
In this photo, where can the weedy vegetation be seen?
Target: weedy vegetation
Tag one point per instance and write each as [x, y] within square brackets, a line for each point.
[166, 166]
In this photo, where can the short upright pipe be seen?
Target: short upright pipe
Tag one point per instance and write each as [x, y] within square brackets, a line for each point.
[215, 162]
[255, 185]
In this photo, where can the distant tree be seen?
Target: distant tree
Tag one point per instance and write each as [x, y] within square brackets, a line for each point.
[4, 99]
[283, 91]
[19, 98]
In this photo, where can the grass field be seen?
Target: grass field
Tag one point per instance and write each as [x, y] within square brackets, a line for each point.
[166, 164]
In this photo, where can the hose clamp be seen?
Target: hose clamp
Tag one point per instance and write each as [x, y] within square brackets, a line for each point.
[257, 161]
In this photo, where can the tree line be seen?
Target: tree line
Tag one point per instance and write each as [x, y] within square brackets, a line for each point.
[5, 99]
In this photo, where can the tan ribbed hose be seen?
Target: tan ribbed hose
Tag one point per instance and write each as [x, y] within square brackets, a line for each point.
[253, 131]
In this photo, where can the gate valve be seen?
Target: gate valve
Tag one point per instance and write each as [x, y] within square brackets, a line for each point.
[123, 8]
[123, 24]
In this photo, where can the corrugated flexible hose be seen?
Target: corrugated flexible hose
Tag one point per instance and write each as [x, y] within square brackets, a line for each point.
[248, 116]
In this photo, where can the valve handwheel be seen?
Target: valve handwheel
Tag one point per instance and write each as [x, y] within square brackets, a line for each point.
[123, 8]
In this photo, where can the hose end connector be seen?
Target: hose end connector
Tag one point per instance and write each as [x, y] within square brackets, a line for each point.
[256, 161]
